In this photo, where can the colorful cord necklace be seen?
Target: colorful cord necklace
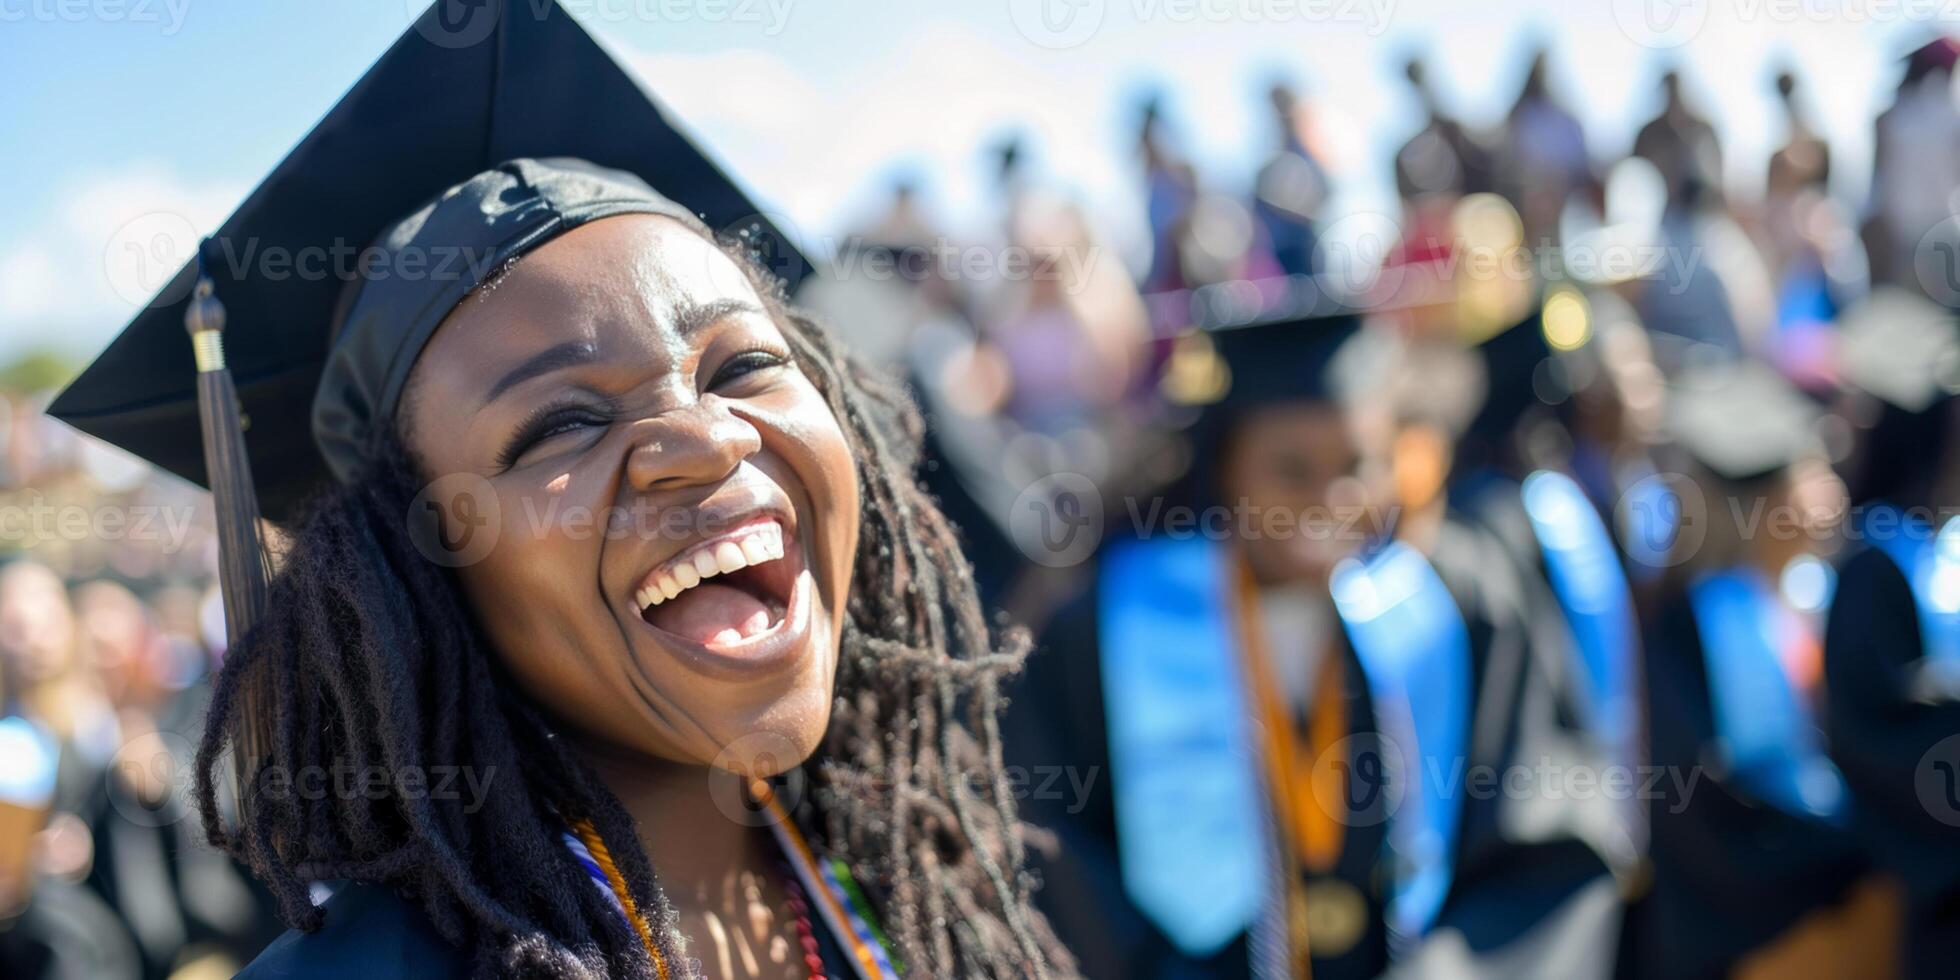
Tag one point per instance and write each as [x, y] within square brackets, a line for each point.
[806, 881]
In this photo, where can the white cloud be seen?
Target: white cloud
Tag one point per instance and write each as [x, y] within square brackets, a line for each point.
[28, 282]
[99, 252]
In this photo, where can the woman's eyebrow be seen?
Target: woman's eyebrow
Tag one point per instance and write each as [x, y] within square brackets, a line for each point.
[568, 354]
[690, 317]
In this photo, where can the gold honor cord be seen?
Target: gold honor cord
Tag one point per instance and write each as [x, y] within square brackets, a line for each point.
[1324, 913]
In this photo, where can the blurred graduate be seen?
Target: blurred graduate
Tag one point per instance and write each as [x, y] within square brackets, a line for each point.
[1892, 646]
[1224, 806]
[1755, 870]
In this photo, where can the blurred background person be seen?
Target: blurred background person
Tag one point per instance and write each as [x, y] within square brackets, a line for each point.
[1755, 872]
[1681, 144]
[1544, 160]
[1292, 188]
[1202, 670]
[1892, 646]
[1915, 167]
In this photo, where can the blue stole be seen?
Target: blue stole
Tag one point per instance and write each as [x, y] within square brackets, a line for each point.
[1650, 521]
[1931, 565]
[1415, 650]
[1592, 590]
[1769, 739]
[1190, 824]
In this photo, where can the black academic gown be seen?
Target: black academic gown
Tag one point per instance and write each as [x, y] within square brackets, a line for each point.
[1730, 873]
[1880, 738]
[371, 933]
[1529, 895]
[1056, 719]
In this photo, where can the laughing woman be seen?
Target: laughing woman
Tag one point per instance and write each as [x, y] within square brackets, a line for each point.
[621, 640]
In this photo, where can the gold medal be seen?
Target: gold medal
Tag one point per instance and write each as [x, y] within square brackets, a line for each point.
[1336, 916]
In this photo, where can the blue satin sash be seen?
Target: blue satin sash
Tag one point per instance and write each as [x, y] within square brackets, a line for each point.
[1931, 565]
[1769, 739]
[1415, 650]
[1585, 575]
[1190, 831]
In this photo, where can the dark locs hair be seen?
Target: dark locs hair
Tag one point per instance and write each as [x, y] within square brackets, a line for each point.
[368, 657]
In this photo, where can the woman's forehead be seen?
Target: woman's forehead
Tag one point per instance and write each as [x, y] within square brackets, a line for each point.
[627, 280]
[642, 260]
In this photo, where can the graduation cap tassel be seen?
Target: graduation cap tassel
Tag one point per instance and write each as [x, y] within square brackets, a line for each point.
[242, 562]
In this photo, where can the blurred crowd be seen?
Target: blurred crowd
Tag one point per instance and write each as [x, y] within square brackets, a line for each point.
[1583, 394]
[1574, 469]
[110, 625]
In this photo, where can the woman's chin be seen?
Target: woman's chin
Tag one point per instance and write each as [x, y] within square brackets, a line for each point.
[788, 737]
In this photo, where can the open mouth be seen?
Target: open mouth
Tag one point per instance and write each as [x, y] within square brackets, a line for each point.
[726, 592]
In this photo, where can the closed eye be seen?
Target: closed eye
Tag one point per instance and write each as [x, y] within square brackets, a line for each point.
[547, 424]
[745, 364]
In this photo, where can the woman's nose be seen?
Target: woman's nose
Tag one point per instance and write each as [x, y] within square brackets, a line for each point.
[698, 445]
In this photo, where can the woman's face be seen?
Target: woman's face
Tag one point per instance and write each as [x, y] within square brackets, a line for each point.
[673, 506]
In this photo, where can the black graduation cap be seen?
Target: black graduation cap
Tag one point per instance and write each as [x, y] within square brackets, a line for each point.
[1277, 361]
[1741, 420]
[1242, 346]
[449, 100]
[1228, 365]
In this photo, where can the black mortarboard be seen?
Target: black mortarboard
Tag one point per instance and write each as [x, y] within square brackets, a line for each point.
[445, 103]
[1234, 358]
[1901, 348]
[1265, 347]
[1741, 421]
[1282, 360]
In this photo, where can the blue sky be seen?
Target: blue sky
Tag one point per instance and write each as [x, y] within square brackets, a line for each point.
[123, 110]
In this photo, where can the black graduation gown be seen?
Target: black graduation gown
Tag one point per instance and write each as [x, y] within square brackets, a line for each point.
[1880, 738]
[1729, 873]
[1529, 895]
[370, 933]
[1056, 718]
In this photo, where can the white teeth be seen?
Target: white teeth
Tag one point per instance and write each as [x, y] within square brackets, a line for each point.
[755, 551]
[762, 543]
